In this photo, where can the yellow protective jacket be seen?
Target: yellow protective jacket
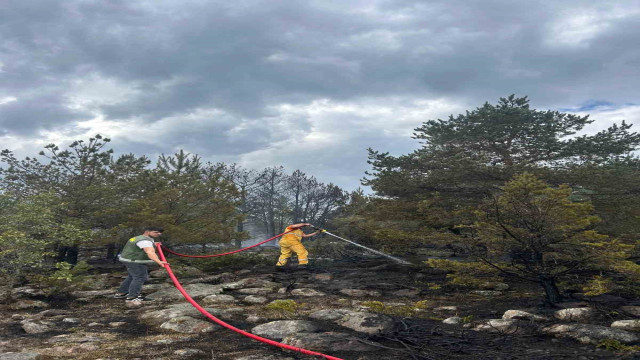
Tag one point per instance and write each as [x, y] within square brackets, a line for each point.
[291, 238]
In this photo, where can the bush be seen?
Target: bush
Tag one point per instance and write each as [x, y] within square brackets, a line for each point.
[283, 305]
[283, 309]
[615, 345]
[64, 279]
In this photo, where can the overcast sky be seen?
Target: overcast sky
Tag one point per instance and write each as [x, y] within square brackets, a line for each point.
[304, 84]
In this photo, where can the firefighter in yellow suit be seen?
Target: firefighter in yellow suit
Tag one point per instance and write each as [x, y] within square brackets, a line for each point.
[292, 242]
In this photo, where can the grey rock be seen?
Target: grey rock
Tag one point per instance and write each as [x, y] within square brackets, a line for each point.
[593, 334]
[631, 325]
[188, 352]
[253, 299]
[504, 326]
[189, 325]
[522, 315]
[28, 304]
[53, 312]
[306, 292]
[167, 294]
[74, 338]
[160, 273]
[26, 291]
[196, 291]
[277, 330]
[254, 319]
[206, 279]
[259, 282]
[187, 271]
[35, 326]
[360, 292]
[218, 298]
[20, 356]
[574, 314]
[177, 310]
[323, 277]
[233, 285]
[367, 323]
[330, 314]
[454, 320]
[329, 341]
[201, 290]
[255, 291]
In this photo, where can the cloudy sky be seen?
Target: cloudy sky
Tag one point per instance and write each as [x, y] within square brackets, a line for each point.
[305, 84]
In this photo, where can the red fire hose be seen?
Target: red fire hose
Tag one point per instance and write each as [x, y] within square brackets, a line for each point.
[227, 253]
[224, 324]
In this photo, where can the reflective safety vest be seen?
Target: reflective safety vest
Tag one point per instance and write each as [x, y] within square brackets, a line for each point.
[132, 253]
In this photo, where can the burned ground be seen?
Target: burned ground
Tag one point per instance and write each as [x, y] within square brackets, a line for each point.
[418, 332]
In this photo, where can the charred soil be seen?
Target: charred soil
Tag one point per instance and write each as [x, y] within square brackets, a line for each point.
[106, 329]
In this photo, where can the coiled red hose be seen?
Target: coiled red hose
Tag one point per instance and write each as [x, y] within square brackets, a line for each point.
[224, 324]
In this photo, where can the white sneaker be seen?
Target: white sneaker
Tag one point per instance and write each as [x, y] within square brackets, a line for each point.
[135, 302]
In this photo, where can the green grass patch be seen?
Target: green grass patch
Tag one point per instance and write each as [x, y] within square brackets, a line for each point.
[615, 345]
[414, 310]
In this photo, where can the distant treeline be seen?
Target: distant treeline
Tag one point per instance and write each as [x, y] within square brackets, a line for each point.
[53, 204]
[516, 191]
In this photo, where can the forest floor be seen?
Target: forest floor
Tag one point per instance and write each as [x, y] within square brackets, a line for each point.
[106, 329]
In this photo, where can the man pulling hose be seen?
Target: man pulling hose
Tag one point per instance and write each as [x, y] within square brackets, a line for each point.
[136, 254]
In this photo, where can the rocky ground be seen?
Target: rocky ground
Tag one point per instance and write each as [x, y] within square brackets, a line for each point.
[362, 309]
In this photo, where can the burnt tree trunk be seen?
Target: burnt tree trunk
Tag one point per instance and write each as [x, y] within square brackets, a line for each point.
[239, 228]
[111, 251]
[550, 289]
[68, 254]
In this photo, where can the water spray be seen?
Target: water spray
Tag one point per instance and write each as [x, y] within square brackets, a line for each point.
[364, 247]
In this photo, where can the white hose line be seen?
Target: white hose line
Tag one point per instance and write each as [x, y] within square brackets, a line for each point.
[372, 250]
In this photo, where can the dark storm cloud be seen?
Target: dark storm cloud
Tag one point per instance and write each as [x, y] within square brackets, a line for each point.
[29, 115]
[222, 50]
[244, 58]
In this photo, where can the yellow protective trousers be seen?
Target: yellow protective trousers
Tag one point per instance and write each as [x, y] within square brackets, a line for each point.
[289, 245]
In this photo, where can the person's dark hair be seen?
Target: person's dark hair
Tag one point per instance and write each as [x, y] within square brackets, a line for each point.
[153, 228]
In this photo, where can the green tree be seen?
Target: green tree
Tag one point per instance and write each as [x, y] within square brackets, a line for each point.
[125, 182]
[614, 189]
[466, 158]
[537, 233]
[29, 231]
[93, 187]
[196, 203]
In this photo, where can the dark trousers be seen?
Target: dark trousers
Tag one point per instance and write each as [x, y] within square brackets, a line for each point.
[132, 285]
